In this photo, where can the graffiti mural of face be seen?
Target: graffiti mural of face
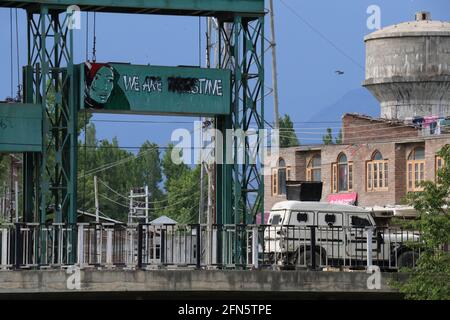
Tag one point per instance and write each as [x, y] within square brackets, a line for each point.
[102, 85]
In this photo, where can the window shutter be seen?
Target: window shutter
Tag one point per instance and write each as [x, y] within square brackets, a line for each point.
[381, 175]
[334, 178]
[369, 177]
[386, 174]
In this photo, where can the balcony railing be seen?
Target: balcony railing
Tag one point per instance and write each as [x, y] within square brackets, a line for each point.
[146, 246]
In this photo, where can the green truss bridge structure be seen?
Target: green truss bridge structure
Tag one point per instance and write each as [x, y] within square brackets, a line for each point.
[44, 130]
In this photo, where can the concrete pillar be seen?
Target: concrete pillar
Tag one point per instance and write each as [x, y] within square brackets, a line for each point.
[369, 232]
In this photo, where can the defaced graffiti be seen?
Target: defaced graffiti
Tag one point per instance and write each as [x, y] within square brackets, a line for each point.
[117, 88]
[99, 84]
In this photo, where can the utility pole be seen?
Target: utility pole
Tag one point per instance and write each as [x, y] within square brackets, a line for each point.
[139, 209]
[146, 204]
[130, 215]
[273, 45]
[205, 168]
[97, 209]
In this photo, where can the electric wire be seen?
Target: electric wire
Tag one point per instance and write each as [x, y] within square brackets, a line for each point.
[184, 199]
[113, 201]
[317, 31]
[397, 125]
[141, 202]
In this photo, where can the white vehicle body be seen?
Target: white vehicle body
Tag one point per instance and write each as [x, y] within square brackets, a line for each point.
[341, 233]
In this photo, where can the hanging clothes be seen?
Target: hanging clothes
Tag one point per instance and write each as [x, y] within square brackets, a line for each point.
[418, 121]
[427, 121]
[439, 123]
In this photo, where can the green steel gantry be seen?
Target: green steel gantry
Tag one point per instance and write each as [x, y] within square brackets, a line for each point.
[50, 176]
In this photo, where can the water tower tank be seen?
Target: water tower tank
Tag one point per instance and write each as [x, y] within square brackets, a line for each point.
[408, 68]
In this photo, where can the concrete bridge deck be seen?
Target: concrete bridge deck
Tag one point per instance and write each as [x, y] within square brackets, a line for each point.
[187, 284]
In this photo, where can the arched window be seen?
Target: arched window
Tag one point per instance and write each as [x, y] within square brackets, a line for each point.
[279, 177]
[377, 156]
[377, 173]
[314, 169]
[416, 169]
[342, 175]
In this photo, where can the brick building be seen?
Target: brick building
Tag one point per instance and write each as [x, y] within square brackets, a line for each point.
[378, 162]
[381, 160]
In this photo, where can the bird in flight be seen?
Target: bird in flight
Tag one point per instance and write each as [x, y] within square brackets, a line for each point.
[339, 72]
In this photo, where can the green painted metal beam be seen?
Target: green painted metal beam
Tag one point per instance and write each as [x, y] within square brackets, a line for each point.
[20, 128]
[174, 7]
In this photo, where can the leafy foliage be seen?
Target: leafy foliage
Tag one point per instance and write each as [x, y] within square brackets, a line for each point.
[174, 188]
[328, 137]
[4, 169]
[431, 277]
[288, 138]
[338, 139]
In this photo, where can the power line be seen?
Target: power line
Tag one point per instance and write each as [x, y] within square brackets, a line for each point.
[142, 121]
[310, 26]
[113, 201]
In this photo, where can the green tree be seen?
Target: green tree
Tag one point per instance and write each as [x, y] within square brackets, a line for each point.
[147, 167]
[338, 139]
[182, 185]
[113, 166]
[328, 138]
[430, 279]
[288, 138]
[4, 168]
[171, 170]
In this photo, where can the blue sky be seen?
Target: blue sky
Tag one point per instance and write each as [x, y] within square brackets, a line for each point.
[307, 58]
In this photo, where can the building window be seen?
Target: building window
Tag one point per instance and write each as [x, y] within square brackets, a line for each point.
[416, 169]
[314, 169]
[439, 165]
[279, 177]
[342, 179]
[377, 173]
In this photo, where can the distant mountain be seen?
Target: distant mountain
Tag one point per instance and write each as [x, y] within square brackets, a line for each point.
[356, 101]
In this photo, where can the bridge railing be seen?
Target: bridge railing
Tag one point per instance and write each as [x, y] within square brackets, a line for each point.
[147, 246]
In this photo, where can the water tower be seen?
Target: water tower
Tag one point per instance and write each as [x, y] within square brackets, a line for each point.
[408, 68]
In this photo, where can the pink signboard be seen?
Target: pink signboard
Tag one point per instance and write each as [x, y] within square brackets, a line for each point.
[266, 218]
[343, 198]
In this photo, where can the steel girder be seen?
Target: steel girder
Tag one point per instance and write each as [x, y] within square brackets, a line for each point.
[240, 186]
[50, 81]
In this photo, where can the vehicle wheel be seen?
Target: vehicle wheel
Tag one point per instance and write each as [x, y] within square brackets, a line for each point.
[407, 259]
[305, 256]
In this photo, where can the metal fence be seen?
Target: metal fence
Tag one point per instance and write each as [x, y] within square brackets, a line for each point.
[146, 246]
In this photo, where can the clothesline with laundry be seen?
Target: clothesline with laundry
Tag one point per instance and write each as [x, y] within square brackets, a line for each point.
[432, 125]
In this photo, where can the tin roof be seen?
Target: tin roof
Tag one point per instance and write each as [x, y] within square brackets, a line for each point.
[163, 220]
